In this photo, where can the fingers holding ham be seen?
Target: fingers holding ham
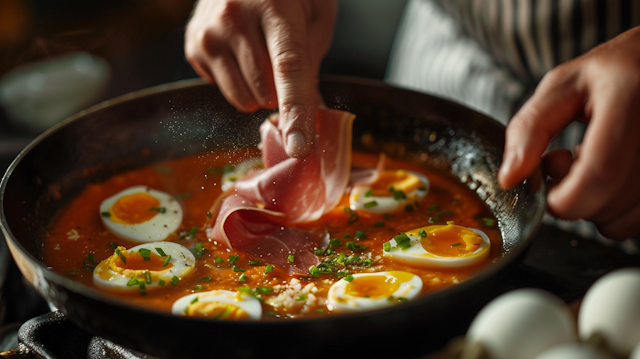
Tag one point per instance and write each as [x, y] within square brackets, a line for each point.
[258, 212]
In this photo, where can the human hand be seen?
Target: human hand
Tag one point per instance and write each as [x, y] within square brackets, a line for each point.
[599, 181]
[265, 54]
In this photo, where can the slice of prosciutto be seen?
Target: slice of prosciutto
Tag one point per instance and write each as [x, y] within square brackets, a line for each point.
[256, 214]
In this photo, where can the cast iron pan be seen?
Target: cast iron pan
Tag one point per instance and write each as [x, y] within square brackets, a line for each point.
[186, 117]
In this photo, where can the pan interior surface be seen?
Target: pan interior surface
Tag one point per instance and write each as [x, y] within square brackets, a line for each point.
[189, 117]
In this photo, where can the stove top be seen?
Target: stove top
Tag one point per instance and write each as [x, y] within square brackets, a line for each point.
[560, 262]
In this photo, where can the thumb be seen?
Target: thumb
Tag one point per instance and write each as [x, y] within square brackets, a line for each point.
[553, 105]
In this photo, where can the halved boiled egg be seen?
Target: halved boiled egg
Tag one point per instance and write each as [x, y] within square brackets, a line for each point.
[145, 266]
[219, 305]
[141, 214]
[368, 291]
[440, 246]
[391, 191]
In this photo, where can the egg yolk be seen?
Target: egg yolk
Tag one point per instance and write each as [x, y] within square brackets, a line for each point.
[450, 240]
[400, 181]
[216, 310]
[134, 208]
[372, 286]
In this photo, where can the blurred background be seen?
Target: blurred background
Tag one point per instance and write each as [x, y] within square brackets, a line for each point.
[58, 57]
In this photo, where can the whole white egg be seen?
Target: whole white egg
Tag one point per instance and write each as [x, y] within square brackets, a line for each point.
[391, 191]
[573, 351]
[522, 324]
[141, 214]
[611, 308]
[219, 305]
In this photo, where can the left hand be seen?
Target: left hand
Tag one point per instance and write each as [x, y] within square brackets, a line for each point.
[599, 181]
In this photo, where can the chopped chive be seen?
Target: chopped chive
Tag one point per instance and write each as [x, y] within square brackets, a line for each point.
[370, 204]
[193, 232]
[209, 215]
[242, 278]
[113, 245]
[402, 299]
[348, 278]
[313, 270]
[341, 257]
[206, 279]
[302, 298]
[89, 262]
[346, 236]
[320, 310]
[422, 233]
[434, 219]
[342, 274]
[488, 221]
[219, 260]
[264, 290]
[378, 224]
[143, 288]
[330, 251]
[319, 252]
[166, 261]
[391, 299]
[335, 242]
[195, 300]
[238, 269]
[232, 259]
[422, 188]
[392, 189]
[360, 235]
[402, 240]
[399, 195]
[132, 282]
[355, 247]
[290, 258]
[456, 245]
[161, 282]
[386, 246]
[147, 277]
[198, 250]
[198, 287]
[71, 273]
[408, 208]
[353, 218]
[122, 257]
[347, 210]
[366, 262]
[369, 193]
[106, 214]
[158, 209]
[387, 215]
[268, 269]
[255, 263]
[160, 252]
[145, 253]
[174, 281]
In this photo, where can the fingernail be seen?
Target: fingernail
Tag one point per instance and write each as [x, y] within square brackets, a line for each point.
[296, 144]
[506, 166]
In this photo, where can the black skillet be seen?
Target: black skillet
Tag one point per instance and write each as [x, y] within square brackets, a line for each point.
[186, 117]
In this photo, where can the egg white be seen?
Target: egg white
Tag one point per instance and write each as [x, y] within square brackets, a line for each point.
[339, 301]
[247, 302]
[157, 228]
[181, 257]
[385, 204]
[419, 256]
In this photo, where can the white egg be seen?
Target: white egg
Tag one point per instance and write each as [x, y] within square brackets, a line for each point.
[368, 291]
[572, 351]
[219, 304]
[392, 190]
[141, 214]
[168, 263]
[440, 246]
[611, 308]
[240, 170]
[522, 324]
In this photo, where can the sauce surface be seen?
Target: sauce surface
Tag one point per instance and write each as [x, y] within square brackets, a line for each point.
[195, 182]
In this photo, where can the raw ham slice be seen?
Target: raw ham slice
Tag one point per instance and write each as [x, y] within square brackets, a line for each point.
[255, 215]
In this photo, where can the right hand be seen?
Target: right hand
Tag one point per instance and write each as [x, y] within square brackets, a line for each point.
[265, 54]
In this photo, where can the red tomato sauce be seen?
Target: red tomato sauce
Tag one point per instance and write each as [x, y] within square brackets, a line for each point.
[195, 181]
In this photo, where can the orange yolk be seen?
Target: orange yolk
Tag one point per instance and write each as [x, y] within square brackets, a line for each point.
[135, 261]
[451, 241]
[400, 180]
[134, 208]
[372, 286]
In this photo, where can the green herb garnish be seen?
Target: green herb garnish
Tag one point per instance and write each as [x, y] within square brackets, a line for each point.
[402, 240]
[408, 208]
[268, 269]
[147, 277]
[488, 221]
[122, 257]
[370, 204]
[161, 282]
[433, 207]
[145, 253]
[255, 262]
[319, 252]
[238, 269]
[386, 246]
[206, 279]
[143, 288]
[209, 215]
[174, 281]
[158, 209]
[290, 258]
[160, 252]
[89, 262]
[132, 282]
[302, 297]
[233, 259]
[355, 247]
[198, 287]
[106, 214]
[456, 245]
[422, 233]
[399, 195]
[242, 277]
[198, 250]
[218, 260]
[166, 261]
[348, 278]
[71, 273]
[335, 242]
[264, 290]
[195, 300]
